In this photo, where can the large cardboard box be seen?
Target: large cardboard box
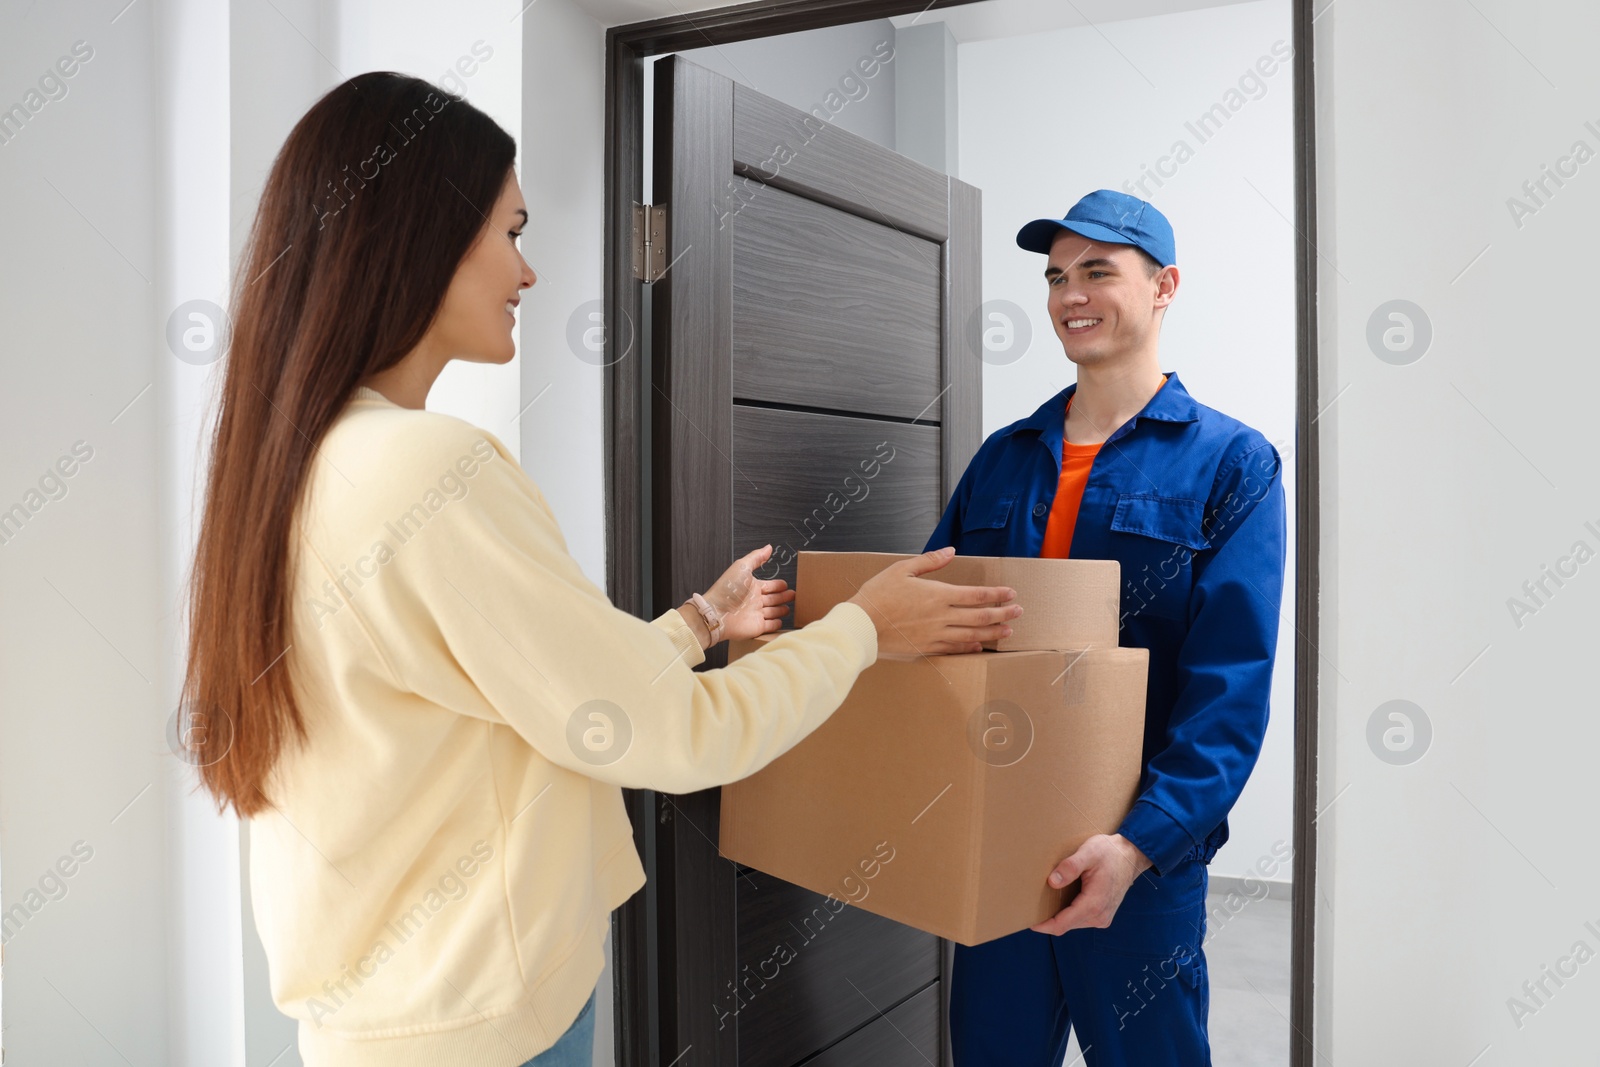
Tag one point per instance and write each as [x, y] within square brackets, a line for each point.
[945, 789]
[1068, 603]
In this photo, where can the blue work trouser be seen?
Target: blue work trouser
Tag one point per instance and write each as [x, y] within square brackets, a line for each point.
[1136, 993]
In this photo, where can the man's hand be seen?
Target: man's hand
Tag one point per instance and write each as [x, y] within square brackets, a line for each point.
[1108, 864]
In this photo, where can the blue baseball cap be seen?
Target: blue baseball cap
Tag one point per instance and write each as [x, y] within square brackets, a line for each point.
[1109, 216]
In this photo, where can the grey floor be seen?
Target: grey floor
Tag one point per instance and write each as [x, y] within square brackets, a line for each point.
[1248, 957]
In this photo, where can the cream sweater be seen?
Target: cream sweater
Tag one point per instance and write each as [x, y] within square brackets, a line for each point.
[435, 878]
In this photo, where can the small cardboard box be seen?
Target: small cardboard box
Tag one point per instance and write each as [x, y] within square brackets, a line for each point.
[1067, 603]
[945, 789]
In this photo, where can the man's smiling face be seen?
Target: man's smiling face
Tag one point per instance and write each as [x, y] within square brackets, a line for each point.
[1104, 302]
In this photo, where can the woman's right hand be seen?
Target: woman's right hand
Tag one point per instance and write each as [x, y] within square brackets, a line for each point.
[926, 617]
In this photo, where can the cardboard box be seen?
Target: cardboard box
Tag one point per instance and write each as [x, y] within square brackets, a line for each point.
[1068, 603]
[945, 789]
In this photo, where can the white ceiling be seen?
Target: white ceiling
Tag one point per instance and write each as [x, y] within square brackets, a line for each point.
[1013, 18]
[622, 12]
[969, 22]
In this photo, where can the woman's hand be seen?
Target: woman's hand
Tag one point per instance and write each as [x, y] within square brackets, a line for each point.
[918, 616]
[748, 605]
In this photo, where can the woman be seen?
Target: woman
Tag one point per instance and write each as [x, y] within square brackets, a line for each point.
[424, 707]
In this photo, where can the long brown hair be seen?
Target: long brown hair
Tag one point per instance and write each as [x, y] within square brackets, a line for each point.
[379, 192]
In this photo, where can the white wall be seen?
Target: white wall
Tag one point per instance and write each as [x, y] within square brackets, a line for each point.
[802, 69]
[926, 100]
[84, 680]
[1448, 483]
[205, 920]
[473, 49]
[1048, 117]
[563, 179]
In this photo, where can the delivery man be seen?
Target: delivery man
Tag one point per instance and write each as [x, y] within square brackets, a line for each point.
[1126, 465]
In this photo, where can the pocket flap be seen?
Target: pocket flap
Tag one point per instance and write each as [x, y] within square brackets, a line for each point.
[988, 514]
[1166, 518]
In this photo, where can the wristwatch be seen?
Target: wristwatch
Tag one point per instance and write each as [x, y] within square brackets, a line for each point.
[710, 614]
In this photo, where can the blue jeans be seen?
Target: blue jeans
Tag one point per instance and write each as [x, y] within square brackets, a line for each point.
[1137, 992]
[575, 1048]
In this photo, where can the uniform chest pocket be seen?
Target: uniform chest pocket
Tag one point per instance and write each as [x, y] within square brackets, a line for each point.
[990, 514]
[1156, 538]
[983, 525]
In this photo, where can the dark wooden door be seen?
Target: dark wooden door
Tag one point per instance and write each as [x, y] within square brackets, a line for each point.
[815, 366]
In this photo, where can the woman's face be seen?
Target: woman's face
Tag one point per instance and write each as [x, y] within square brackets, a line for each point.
[477, 318]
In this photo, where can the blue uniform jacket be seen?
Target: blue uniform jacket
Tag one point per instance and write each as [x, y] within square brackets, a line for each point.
[1191, 503]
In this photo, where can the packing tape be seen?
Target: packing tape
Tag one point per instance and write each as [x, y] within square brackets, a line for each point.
[1074, 684]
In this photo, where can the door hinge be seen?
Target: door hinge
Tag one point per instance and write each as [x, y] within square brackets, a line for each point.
[649, 241]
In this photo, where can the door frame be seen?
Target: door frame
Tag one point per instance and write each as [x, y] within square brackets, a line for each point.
[627, 468]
